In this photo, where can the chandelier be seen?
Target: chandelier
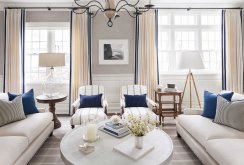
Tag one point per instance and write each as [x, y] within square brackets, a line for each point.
[111, 9]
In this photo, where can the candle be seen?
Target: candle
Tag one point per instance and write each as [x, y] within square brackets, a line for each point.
[91, 132]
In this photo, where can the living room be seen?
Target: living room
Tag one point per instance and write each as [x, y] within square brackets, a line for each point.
[174, 65]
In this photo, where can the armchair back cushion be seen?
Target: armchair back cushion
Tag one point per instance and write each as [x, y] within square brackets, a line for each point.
[133, 90]
[90, 90]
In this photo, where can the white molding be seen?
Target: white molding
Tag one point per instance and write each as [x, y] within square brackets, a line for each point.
[112, 84]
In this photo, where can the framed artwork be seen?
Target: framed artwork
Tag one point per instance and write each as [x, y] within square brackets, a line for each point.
[113, 52]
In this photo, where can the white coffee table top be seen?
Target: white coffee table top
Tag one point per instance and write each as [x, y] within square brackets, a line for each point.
[104, 153]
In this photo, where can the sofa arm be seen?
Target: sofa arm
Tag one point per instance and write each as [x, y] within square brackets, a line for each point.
[122, 105]
[192, 111]
[42, 110]
[105, 106]
[75, 105]
[105, 103]
[151, 102]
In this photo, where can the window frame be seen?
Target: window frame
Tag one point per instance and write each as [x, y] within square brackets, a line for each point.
[51, 39]
[198, 28]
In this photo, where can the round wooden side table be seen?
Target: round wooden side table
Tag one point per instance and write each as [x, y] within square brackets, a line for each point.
[52, 101]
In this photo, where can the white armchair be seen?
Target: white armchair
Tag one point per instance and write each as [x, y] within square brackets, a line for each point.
[82, 114]
[137, 111]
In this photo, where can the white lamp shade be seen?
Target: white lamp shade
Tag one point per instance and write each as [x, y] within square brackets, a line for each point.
[190, 60]
[51, 59]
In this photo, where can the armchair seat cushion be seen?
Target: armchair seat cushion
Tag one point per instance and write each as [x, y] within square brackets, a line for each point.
[83, 114]
[140, 112]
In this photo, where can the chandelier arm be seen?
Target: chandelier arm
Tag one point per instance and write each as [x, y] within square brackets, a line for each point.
[122, 7]
[101, 9]
[95, 13]
[143, 11]
[126, 3]
[87, 5]
[75, 11]
[129, 12]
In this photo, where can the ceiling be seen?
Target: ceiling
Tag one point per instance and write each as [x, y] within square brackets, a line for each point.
[158, 3]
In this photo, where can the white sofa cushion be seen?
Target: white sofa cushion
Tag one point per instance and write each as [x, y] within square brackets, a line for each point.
[83, 114]
[11, 148]
[203, 129]
[30, 127]
[226, 151]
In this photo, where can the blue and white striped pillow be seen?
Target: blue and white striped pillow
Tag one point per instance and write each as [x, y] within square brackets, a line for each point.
[11, 111]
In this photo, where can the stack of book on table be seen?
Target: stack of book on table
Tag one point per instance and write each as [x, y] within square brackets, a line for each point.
[118, 130]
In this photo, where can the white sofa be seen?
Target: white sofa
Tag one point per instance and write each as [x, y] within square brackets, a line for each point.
[20, 140]
[212, 143]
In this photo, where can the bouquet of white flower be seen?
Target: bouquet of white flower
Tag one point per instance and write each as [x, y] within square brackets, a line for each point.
[140, 126]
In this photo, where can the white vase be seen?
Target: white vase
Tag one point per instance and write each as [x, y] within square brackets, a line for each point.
[139, 142]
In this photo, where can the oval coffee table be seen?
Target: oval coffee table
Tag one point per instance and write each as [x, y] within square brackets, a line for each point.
[104, 153]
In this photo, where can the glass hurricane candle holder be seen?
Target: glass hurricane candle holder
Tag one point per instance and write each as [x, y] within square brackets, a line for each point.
[90, 130]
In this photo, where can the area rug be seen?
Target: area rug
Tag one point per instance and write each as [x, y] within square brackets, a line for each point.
[49, 153]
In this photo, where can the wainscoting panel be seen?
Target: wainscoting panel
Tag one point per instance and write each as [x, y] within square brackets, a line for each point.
[112, 84]
[210, 82]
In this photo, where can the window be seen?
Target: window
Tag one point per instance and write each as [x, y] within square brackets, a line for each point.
[41, 39]
[45, 37]
[182, 31]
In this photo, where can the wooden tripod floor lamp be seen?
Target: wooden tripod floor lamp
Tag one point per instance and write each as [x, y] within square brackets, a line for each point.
[190, 60]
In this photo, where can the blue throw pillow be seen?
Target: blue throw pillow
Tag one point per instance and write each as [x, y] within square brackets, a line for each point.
[90, 101]
[136, 100]
[210, 103]
[28, 100]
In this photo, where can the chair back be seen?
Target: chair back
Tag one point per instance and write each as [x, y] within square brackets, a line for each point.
[133, 90]
[92, 90]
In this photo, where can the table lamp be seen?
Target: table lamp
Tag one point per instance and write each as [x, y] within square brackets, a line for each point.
[190, 60]
[50, 60]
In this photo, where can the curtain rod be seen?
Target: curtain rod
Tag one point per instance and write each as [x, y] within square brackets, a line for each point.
[196, 8]
[165, 8]
[48, 8]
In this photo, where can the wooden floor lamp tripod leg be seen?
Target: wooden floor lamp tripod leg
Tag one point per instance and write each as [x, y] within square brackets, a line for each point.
[185, 87]
[194, 83]
[191, 77]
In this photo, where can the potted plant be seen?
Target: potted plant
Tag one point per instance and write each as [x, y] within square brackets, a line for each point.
[139, 127]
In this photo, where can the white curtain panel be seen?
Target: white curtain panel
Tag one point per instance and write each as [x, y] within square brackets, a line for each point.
[13, 51]
[80, 67]
[234, 51]
[147, 58]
